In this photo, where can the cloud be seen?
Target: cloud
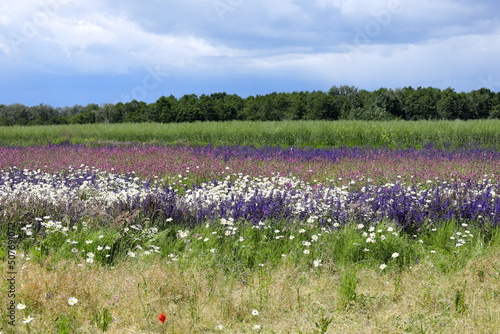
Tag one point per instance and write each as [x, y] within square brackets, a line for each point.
[369, 44]
[93, 41]
[438, 62]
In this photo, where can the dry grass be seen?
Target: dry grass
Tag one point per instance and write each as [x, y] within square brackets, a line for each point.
[422, 299]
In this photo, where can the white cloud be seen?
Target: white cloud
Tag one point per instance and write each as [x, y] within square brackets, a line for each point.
[440, 12]
[423, 11]
[360, 42]
[360, 8]
[443, 63]
[98, 42]
[326, 3]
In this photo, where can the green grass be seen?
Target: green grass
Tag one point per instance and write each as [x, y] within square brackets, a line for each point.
[236, 276]
[394, 134]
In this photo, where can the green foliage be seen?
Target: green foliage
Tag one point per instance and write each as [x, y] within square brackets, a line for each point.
[61, 242]
[323, 324]
[347, 289]
[235, 247]
[65, 324]
[345, 102]
[460, 305]
[392, 134]
[421, 103]
[371, 113]
[103, 319]
[495, 112]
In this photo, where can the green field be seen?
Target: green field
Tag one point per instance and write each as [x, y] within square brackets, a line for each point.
[83, 265]
[393, 134]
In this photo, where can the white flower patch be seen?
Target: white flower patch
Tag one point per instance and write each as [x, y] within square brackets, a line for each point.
[94, 190]
[105, 189]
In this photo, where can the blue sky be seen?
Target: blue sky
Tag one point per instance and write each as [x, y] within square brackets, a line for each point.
[67, 52]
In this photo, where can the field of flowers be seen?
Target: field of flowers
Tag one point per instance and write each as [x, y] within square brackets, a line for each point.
[179, 239]
[193, 185]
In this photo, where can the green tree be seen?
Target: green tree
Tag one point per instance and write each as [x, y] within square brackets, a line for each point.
[117, 114]
[233, 104]
[135, 112]
[188, 109]
[495, 111]
[41, 114]
[163, 110]
[274, 106]
[19, 113]
[370, 113]
[103, 113]
[5, 116]
[297, 107]
[250, 110]
[322, 106]
[421, 103]
[343, 90]
[481, 102]
[388, 99]
[86, 117]
[347, 98]
[448, 106]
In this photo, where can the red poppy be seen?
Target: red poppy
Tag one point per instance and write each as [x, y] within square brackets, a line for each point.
[162, 317]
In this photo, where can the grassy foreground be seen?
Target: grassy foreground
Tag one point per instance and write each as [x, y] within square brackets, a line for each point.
[393, 134]
[232, 278]
[197, 300]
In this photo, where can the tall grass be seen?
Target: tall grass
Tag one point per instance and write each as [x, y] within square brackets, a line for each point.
[393, 134]
[258, 280]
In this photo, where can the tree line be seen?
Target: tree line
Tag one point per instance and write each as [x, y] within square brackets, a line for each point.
[342, 102]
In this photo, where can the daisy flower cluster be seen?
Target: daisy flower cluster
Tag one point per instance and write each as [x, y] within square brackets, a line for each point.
[28, 319]
[87, 192]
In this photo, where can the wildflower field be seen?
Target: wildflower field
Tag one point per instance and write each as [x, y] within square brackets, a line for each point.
[149, 238]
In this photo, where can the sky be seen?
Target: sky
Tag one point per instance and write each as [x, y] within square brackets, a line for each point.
[68, 52]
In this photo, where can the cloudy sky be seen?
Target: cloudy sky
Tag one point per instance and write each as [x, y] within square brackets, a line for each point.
[67, 52]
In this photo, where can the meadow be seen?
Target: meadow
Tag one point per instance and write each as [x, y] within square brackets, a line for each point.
[392, 134]
[132, 232]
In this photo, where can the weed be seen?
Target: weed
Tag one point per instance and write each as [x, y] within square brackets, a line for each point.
[346, 292]
[103, 319]
[323, 324]
[460, 305]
